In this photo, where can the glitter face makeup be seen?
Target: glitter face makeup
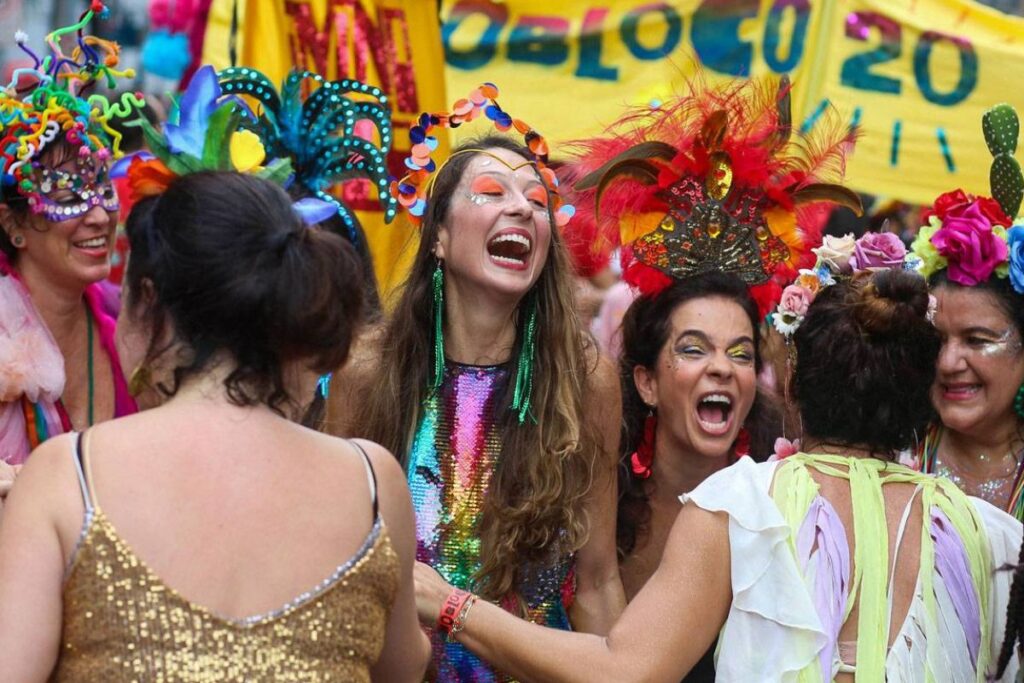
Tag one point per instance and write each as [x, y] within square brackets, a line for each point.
[491, 188]
[705, 382]
[980, 365]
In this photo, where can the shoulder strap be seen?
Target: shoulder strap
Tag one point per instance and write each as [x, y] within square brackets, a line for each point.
[76, 453]
[371, 476]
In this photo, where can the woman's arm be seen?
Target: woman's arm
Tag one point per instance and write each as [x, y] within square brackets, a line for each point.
[32, 562]
[662, 633]
[599, 596]
[406, 648]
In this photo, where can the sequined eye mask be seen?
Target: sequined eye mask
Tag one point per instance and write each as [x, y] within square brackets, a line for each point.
[78, 193]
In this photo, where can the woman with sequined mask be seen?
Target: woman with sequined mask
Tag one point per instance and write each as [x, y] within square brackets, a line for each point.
[58, 215]
[504, 416]
[210, 536]
[834, 564]
[978, 440]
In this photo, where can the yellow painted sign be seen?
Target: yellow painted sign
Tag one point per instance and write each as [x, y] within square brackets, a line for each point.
[916, 75]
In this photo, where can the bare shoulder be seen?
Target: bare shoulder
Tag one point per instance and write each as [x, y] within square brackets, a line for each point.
[385, 466]
[49, 463]
[353, 378]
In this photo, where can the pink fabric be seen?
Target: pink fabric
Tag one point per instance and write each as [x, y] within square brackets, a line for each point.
[954, 567]
[106, 322]
[32, 368]
[822, 539]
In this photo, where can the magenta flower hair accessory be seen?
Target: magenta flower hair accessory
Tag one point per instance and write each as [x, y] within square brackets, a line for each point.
[878, 251]
[966, 236]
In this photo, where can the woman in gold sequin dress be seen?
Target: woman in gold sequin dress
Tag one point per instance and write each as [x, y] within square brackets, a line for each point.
[501, 411]
[211, 538]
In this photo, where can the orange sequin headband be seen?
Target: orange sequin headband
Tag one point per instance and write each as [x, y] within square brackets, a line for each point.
[413, 190]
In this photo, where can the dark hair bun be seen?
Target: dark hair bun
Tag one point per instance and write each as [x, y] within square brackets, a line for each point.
[889, 302]
[235, 270]
[866, 361]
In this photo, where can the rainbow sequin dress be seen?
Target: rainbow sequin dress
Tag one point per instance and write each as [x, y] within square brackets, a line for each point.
[455, 451]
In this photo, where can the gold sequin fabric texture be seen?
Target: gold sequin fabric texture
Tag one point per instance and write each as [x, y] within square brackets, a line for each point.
[122, 623]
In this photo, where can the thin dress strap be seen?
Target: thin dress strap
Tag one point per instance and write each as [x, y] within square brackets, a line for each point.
[371, 476]
[77, 455]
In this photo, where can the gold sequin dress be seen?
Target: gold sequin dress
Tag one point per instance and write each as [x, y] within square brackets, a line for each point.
[122, 623]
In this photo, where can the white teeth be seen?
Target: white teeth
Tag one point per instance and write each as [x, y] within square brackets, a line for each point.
[717, 398]
[94, 243]
[505, 259]
[518, 239]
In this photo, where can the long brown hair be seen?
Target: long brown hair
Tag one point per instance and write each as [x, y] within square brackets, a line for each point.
[535, 499]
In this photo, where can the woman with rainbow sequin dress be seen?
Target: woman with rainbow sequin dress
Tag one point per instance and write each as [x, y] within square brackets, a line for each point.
[834, 563]
[504, 415]
[58, 366]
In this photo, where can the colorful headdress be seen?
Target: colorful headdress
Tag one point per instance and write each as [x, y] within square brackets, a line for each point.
[972, 237]
[714, 181]
[413, 190]
[203, 133]
[318, 132]
[45, 102]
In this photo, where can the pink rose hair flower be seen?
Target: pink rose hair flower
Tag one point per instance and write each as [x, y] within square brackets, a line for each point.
[969, 243]
[875, 251]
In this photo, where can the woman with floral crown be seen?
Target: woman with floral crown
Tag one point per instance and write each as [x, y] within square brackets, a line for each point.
[482, 382]
[974, 260]
[58, 213]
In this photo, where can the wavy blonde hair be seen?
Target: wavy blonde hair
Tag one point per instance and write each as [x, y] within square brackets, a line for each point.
[535, 501]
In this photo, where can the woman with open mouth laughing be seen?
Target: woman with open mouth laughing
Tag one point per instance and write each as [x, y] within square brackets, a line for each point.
[690, 356]
[58, 213]
[498, 405]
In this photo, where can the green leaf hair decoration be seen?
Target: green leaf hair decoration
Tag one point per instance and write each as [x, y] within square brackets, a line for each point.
[1002, 129]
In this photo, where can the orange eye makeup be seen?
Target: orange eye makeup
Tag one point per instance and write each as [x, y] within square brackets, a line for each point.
[486, 185]
[539, 195]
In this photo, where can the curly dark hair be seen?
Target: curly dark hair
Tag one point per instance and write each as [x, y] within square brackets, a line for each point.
[234, 269]
[866, 357]
[645, 330]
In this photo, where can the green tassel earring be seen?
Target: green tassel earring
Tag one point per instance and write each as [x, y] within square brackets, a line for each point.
[437, 372]
[524, 366]
[1018, 402]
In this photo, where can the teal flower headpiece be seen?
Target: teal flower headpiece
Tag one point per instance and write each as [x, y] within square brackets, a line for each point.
[317, 132]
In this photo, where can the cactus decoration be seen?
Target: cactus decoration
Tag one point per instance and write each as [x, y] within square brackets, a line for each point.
[1002, 128]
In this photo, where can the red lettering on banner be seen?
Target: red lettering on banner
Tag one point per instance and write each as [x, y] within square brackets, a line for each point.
[357, 40]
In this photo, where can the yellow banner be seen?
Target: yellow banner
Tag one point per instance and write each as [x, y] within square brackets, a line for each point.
[392, 44]
[916, 75]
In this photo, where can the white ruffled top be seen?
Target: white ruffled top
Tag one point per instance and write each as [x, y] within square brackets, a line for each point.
[787, 607]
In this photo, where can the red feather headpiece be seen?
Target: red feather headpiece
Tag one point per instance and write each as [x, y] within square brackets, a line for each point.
[714, 181]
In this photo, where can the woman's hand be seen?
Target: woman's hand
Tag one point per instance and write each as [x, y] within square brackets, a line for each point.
[431, 591]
